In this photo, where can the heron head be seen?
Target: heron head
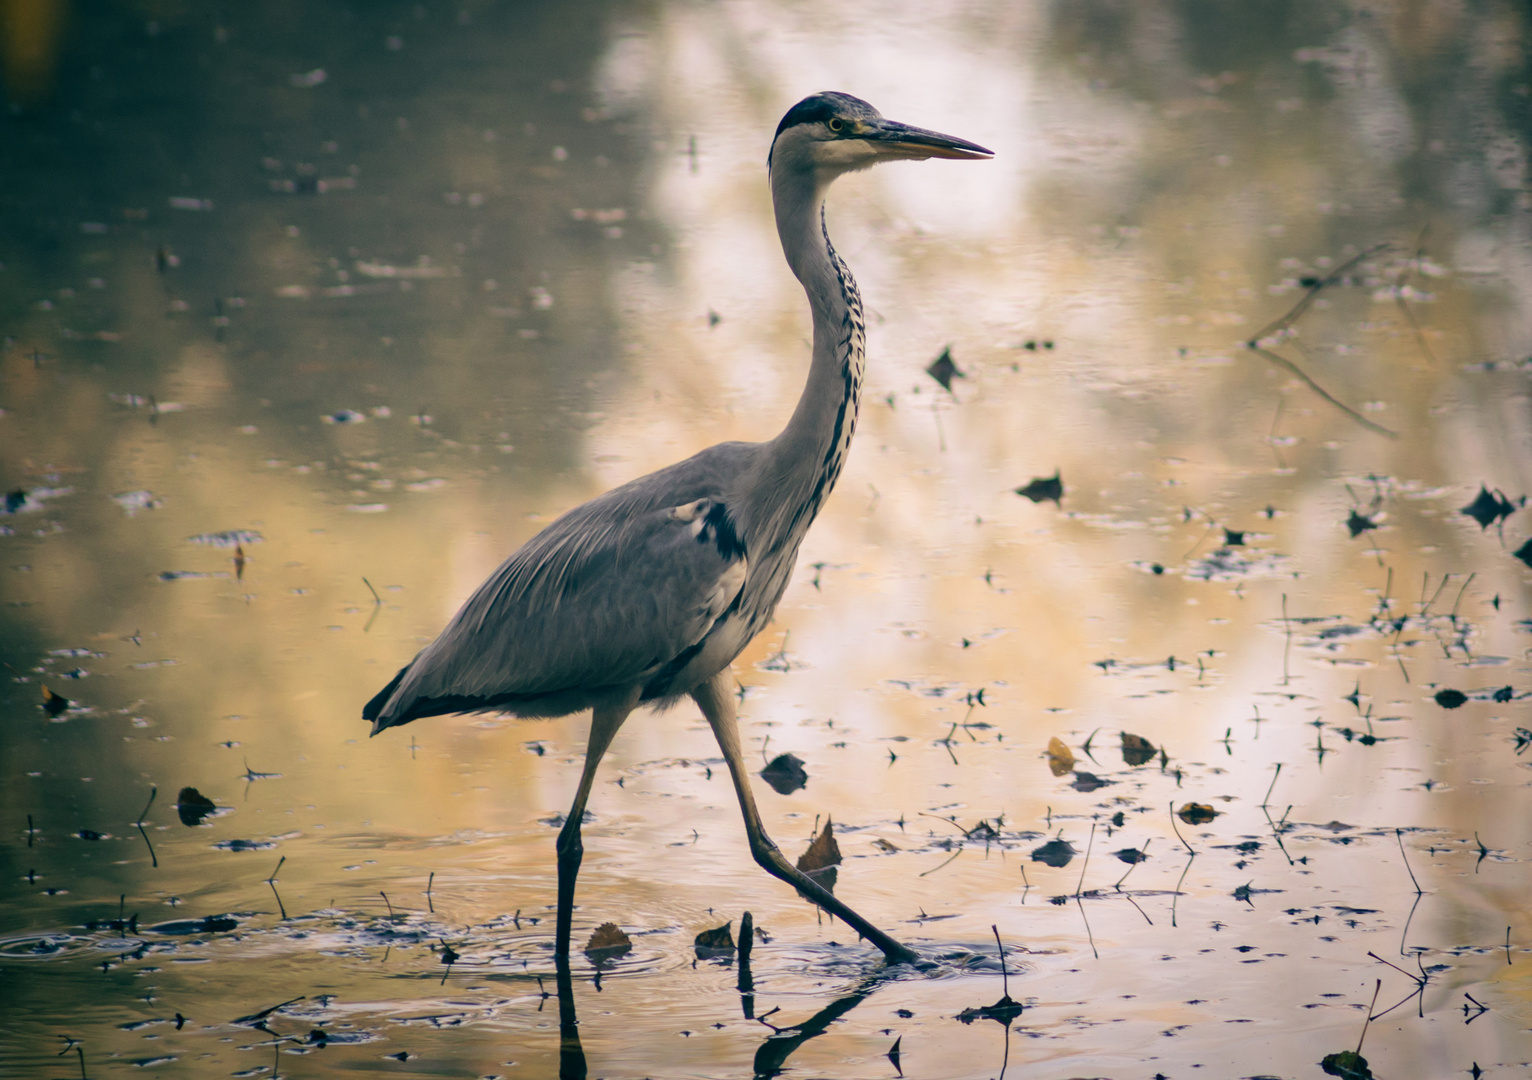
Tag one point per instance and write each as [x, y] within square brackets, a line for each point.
[832, 133]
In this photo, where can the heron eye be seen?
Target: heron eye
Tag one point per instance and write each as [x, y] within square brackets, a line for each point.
[835, 124]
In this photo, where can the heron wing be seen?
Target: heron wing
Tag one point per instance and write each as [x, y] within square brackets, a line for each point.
[606, 595]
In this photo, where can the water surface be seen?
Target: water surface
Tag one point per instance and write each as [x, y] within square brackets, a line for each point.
[312, 314]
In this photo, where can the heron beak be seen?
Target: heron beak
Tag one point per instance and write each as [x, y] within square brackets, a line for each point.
[893, 139]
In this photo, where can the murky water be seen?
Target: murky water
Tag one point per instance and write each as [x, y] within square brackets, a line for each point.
[314, 312]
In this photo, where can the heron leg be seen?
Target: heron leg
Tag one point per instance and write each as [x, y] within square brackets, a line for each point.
[605, 721]
[717, 704]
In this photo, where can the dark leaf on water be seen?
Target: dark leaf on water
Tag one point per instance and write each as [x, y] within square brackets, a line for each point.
[53, 704]
[893, 1055]
[943, 370]
[1348, 1065]
[1489, 507]
[451, 955]
[1243, 893]
[1504, 694]
[1002, 1012]
[1055, 853]
[1088, 781]
[15, 500]
[1131, 856]
[608, 942]
[213, 924]
[785, 774]
[1196, 813]
[1524, 553]
[1044, 488]
[90, 834]
[823, 852]
[245, 845]
[1136, 750]
[192, 806]
[712, 942]
[1359, 523]
[1058, 901]
[1233, 538]
[1450, 699]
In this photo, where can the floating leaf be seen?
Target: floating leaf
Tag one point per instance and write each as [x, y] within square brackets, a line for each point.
[1450, 699]
[1489, 507]
[822, 853]
[1233, 538]
[213, 924]
[1055, 853]
[53, 704]
[1504, 694]
[884, 846]
[1524, 553]
[943, 370]
[719, 939]
[1044, 488]
[785, 774]
[192, 806]
[608, 942]
[1061, 761]
[1348, 1064]
[1359, 523]
[1088, 781]
[1136, 750]
[1002, 1012]
[1131, 856]
[1196, 813]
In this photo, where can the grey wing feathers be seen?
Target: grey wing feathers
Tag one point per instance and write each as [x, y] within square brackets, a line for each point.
[603, 597]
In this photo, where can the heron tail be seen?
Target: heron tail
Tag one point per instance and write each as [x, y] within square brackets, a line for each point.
[374, 708]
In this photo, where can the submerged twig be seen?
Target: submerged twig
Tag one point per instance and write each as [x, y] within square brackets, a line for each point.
[1335, 276]
[1284, 362]
[1399, 835]
[139, 825]
[1286, 322]
[272, 881]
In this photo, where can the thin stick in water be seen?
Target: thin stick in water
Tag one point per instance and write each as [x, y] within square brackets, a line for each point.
[1267, 800]
[272, 881]
[1368, 1022]
[1399, 835]
[1005, 980]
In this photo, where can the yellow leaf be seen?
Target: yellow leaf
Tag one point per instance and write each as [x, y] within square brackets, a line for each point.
[1060, 760]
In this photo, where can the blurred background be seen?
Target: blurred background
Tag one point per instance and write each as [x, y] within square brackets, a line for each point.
[311, 313]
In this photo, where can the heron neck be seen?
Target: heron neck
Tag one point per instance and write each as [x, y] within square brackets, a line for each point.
[802, 463]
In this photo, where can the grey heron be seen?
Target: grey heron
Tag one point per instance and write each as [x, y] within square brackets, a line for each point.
[646, 594]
